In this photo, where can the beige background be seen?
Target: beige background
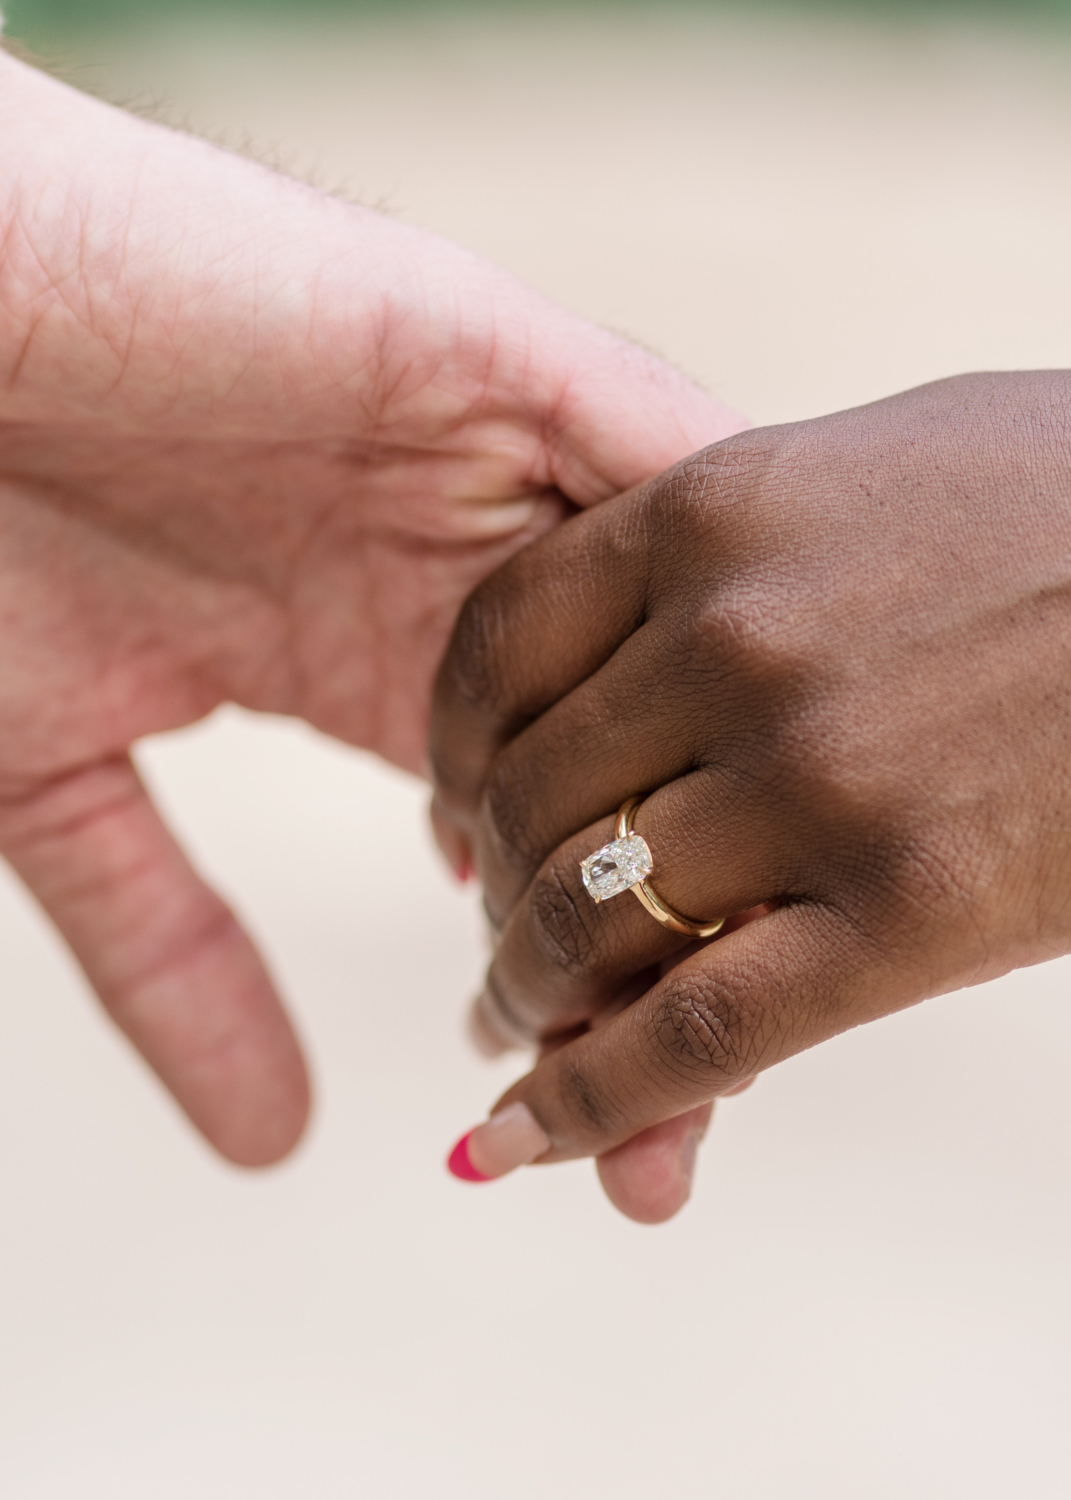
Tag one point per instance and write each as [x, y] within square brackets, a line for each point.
[869, 1295]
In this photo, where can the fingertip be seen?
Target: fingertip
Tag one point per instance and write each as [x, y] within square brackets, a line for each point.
[649, 1178]
[167, 957]
[511, 1137]
[271, 1125]
[485, 1040]
[452, 843]
[459, 1163]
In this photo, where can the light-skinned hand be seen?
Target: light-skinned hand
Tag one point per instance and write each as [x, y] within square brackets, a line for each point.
[256, 445]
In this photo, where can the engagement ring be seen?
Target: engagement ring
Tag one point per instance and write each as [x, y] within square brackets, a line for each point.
[624, 865]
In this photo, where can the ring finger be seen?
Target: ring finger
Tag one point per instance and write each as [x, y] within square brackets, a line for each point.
[563, 957]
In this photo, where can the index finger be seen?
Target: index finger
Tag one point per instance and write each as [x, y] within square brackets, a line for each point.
[527, 636]
[780, 984]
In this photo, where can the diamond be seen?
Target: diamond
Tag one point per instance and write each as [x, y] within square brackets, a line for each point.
[616, 867]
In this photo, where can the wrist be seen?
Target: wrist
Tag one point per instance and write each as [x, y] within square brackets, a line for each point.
[148, 276]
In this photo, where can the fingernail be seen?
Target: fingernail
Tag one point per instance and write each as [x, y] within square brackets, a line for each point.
[690, 1145]
[459, 1163]
[464, 872]
[687, 1154]
[509, 1139]
[486, 1042]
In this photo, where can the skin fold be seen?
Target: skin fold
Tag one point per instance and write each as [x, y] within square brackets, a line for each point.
[256, 445]
[835, 659]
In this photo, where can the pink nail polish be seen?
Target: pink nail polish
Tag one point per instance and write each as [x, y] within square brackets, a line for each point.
[459, 1164]
[463, 873]
[511, 1138]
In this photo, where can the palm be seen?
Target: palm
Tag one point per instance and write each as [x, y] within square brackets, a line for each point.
[165, 581]
[255, 445]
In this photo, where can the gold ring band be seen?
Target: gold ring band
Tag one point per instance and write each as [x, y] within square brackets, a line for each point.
[649, 898]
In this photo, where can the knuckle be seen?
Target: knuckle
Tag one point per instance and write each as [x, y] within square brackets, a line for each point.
[507, 807]
[703, 1026]
[587, 1102]
[929, 882]
[902, 870]
[452, 778]
[561, 924]
[939, 867]
[718, 483]
[504, 1018]
[751, 631]
[471, 671]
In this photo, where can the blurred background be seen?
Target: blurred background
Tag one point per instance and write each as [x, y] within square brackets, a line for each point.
[805, 208]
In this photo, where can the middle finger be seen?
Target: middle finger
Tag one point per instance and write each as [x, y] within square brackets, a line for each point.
[620, 733]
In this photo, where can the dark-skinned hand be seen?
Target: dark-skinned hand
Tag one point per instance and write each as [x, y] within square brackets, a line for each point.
[835, 660]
